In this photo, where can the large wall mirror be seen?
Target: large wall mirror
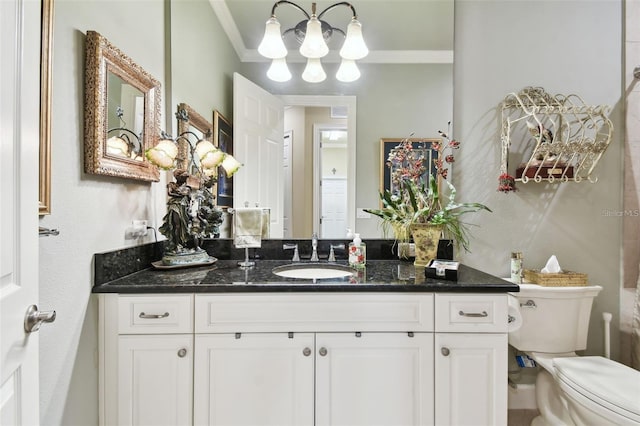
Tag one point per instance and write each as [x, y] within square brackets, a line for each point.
[406, 87]
[121, 113]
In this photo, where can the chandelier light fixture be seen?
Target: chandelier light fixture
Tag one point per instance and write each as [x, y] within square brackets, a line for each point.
[313, 34]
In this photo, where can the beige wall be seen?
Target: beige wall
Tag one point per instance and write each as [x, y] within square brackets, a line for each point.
[564, 219]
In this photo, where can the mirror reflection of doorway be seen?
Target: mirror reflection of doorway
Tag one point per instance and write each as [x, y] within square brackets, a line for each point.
[330, 181]
[316, 172]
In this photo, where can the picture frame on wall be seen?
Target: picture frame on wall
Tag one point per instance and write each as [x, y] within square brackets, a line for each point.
[223, 137]
[423, 145]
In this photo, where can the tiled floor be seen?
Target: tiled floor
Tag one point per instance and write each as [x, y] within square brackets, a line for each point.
[521, 417]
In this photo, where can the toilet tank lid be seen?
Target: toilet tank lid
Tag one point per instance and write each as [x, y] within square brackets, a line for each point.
[601, 379]
[535, 290]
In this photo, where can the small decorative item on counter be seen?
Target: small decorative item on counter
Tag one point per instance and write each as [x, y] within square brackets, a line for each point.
[442, 269]
[357, 253]
[516, 267]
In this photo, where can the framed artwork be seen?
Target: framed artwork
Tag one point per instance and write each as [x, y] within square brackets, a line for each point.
[420, 145]
[223, 137]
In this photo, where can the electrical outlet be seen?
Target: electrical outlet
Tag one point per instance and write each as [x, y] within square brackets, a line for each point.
[138, 229]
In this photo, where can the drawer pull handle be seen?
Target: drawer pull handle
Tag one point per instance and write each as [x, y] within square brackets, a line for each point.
[445, 351]
[153, 316]
[473, 314]
[306, 351]
[323, 351]
[182, 353]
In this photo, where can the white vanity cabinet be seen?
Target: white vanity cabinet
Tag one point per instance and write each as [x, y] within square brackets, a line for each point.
[146, 359]
[470, 359]
[314, 358]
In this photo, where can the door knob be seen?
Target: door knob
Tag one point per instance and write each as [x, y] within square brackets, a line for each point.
[34, 318]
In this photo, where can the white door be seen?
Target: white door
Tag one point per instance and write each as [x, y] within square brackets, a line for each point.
[254, 379]
[333, 218]
[374, 379]
[471, 377]
[288, 183]
[19, 136]
[258, 129]
[155, 379]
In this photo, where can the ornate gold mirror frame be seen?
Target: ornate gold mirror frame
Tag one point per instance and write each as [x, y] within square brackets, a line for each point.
[104, 63]
[46, 51]
[190, 121]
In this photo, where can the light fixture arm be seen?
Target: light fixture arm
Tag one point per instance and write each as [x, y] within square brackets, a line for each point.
[342, 3]
[278, 3]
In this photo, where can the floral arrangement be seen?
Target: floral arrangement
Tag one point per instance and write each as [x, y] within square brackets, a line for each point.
[415, 198]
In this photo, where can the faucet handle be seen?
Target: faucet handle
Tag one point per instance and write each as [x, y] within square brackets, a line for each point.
[294, 247]
[332, 254]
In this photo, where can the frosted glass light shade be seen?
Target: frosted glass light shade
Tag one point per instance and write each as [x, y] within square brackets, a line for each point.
[272, 45]
[354, 46]
[348, 71]
[313, 72]
[279, 71]
[313, 45]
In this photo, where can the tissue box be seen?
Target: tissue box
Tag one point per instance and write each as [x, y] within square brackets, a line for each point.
[564, 279]
[442, 269]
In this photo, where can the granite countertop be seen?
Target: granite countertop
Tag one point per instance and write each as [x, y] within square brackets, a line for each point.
[224, 276]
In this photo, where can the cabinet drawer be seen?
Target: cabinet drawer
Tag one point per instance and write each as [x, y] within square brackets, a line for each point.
[226, 313]
[471, 313]
[154, 314]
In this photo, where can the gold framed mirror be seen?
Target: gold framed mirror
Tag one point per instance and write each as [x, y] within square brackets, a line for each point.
[121, 113]
[46, 62]
[189, 120]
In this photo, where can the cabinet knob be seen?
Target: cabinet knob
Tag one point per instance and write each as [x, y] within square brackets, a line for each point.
[323, 351]
[182, 353]
[306, 351]
[445, 351]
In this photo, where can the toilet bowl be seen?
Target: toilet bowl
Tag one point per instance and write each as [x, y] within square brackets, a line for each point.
[572, 390]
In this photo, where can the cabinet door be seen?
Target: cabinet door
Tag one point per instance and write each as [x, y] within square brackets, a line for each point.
[471, 379]
[254, 379]
[374, 379]
[155, 380]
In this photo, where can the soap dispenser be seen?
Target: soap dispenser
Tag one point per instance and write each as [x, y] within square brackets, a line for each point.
[357, 253]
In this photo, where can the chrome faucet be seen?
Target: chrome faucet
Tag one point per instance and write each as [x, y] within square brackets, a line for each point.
[314, 247]
[294, 247]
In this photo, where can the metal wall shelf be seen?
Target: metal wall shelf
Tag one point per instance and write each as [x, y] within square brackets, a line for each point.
[552, 138]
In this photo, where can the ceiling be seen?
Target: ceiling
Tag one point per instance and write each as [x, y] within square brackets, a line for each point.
[396, 31]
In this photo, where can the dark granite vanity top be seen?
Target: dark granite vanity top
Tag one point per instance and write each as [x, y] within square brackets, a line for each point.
[225, 276]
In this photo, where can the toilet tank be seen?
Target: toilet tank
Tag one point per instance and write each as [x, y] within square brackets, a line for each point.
[554, 319]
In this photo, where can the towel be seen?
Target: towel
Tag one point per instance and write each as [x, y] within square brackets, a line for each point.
[266, 223]
[247, 227]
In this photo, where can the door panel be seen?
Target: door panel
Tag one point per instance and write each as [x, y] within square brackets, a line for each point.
[19, 139]
[258, 120]
[374, 379]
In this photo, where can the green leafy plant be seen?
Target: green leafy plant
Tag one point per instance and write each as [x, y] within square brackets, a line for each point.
[415, 199]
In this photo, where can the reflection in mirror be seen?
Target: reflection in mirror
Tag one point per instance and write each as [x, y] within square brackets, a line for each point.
[192, 127]
[125, 118]
[122, 113]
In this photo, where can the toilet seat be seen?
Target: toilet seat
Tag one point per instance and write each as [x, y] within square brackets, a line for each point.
[608, 384]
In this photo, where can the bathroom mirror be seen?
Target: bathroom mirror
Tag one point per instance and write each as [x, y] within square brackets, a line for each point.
[193, 127]
[381, 110]
[121, 113]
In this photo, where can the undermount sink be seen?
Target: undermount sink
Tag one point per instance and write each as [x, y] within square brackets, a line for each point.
[314, 271]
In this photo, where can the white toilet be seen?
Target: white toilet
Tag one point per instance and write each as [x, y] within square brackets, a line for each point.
[572, 390]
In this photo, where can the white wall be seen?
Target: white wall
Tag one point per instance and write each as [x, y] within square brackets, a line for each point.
[90, 211]
[565, 47]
